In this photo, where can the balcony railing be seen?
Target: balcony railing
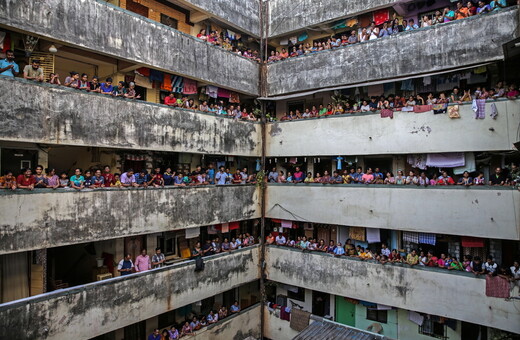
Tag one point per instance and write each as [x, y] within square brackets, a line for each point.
[67, 116]
[444, 294]
[407, 132]
[488, 212]
[46, 218]
[429, 49]
[101, 307]
[130, 37]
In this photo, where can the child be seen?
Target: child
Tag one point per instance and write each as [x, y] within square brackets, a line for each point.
[64, 180]
[88, 179]
[117, 181]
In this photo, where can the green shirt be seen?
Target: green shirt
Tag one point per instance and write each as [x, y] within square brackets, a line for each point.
[322, 111]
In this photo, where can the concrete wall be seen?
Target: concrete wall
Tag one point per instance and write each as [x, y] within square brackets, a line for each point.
[482, 212]
[276, 328]
[407, 132]
[130, 37]
[47, 219]
[104, 306]
[423, 50]
[432, 292]
[236, 327]
[66, 116]
[286, 16]
[241, 14]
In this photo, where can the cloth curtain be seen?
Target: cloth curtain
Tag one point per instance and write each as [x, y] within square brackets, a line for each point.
[472, 242]
[427, 238]
[212, 91]
[373, 235]
[142, 81]
[234, 225]
[14, 277]
[225, 227]
[470, 165]
[445, 160]
[190, 86]
[497, 287]
[223, 93]
[286, 224]
[417, 161]
[409, 236]
[177, 84]
[192, 232]
[357, 233]
[416, 318]
[234, 97]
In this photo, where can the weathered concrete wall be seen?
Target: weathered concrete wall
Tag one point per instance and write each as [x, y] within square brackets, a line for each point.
[98, 308]
[482, 212]
[276, 328]
[424, 50]
[66, 116]
[132, 38]
[433, 292]
[239, 326]
[50, 219]
[408, 132]
[286, 16]
[241, 14]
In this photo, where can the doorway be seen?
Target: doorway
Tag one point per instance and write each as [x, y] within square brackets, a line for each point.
[345, 311]
[322, 165]
[320, 303]
[16, 159]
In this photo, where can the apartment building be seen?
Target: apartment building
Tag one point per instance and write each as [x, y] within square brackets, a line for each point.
[205, 95]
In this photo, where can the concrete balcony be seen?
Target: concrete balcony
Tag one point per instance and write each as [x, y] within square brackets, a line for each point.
[488, 212]
[240, 14]
[246, 323]
[46, 218]
[70, 117]
[408, 132]
[285, 17]
[434, 292]
[132, 38]
[430, 49]
[101, 307]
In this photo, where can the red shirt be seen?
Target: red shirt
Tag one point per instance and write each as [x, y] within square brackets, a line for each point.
[157, 179]
[109, 179]
[170, 101]
[24, 181]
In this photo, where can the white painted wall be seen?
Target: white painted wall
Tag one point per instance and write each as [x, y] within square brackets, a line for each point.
[485, 212]
[450, 295]
[407, 133]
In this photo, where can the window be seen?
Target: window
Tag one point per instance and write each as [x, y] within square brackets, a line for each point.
[169, 21]
[377, 315]
[168, 243]
[299, 295]
[433, 329]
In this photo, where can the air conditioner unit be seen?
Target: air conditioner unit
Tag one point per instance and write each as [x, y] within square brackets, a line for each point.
[101, 277]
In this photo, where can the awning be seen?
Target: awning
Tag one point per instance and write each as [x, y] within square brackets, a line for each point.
[370, 83]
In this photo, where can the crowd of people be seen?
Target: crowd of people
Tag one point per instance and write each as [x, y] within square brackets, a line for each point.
[384, 255]
[357, 176]
[217, 39]
[399, 103]
[189, 327]
[98, 179]
[390, 27]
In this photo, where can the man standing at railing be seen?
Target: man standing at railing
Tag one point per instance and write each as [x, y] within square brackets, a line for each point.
[142, 262]
[7, 66]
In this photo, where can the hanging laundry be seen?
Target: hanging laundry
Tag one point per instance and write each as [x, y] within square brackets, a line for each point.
[156, 76]
[422, 108]
[439, 108]
[469, 166]
[494, 111]
[480, 104]
[223, 93]
[407, 85]
[167, 83]
[445, 160]
[417, 161]
[145, 71]
[480, 70]
[472, 242]
[212, 230]
[409, 236]
[427, 80]
[177, 84]
[212, 91]
[234, 225]
[303, 37]
[416, 318]
[453, 112]
[287, 224]
[381, 16]
[351, 22]
[427, 238]
[357, 233]
[142, 81]
[225, 228]
[373, 235]
[234, 97]
[387, 113]
[192, 232]
[190, 86]
[497, 286]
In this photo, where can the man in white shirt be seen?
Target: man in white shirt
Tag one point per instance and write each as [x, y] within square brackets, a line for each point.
[280, 240]
[490, 266]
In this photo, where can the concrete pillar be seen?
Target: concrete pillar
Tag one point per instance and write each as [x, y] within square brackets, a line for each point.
[43, 158]
[119, 253]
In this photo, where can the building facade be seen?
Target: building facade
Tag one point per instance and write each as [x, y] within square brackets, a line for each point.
[259, 169]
